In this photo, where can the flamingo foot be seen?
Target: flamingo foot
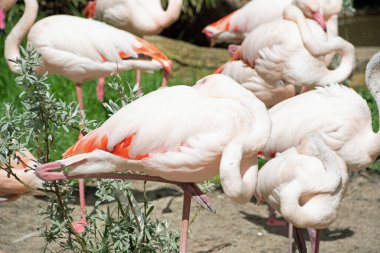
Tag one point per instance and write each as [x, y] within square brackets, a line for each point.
[273, 222]
[100, 89]
[79, 226]
[44, 172]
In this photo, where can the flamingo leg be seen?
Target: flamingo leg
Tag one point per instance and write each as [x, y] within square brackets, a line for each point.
[272, 221]
[185, 222]
[100, 89]
[290, 238]
[299, 240]
[165, 79]
[138, 81]
[79, 226]
[78, 87]
[314, 235]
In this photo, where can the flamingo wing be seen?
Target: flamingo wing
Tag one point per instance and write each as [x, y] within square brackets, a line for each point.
[177, 123]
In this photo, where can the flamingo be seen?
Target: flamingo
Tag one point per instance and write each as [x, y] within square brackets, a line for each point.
[5, 5]
[82, 49]
[305, 184]
[234, 27]
[182, 134]
[10, 188]
[140, 17]
[293, 51]
[249, 79]
[337, 113]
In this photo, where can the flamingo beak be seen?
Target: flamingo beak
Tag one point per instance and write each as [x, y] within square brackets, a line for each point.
[318, 17]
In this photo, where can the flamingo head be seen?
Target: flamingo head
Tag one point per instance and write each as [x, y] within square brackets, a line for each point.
[311, 9]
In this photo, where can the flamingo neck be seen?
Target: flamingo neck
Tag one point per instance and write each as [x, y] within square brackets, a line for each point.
[19, 31]
[305, 206]
[316, 48]
[347, 64]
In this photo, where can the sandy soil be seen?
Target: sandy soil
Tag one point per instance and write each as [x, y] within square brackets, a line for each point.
[234, 228]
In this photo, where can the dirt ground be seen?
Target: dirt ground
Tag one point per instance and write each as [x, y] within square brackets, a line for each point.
[234, 228]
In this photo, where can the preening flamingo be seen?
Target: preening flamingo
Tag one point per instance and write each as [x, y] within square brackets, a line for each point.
[185, 134]
[294, 50]
[5, 5]
[249, 79]
[10, 188]
[337, 113]
[234, 27]
[140, 17]
[305, 184]
[181, 133]
[82, 49]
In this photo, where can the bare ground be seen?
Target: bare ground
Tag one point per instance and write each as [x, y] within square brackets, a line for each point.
[234, 228]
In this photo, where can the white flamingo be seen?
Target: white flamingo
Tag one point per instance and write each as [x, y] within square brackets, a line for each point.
[293, 51]
[306, 185]
[234, 27]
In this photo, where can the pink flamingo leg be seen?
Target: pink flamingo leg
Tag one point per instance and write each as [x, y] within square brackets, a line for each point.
[165, 79]
[138, 81]
[185, 222]
[79, 226]
[272, 221]
[299, 240]
[100, 89]
[290, 238]
[78, 87]
[314, 235]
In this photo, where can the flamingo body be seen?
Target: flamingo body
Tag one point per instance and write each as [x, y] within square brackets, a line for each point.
[250, 80]
[294, 51]
[185, 134]
[71, 46]
[338, 113]
[305, 187]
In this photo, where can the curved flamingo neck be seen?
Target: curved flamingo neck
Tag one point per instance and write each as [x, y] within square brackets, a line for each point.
[316, 48]
[19, 31]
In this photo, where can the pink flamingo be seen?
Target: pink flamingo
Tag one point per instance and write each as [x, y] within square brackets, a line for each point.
[234, 27]
[337, 113]
[293, 51]
[82, 49]
[306, 185]
[140, 17]
[182, 134]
